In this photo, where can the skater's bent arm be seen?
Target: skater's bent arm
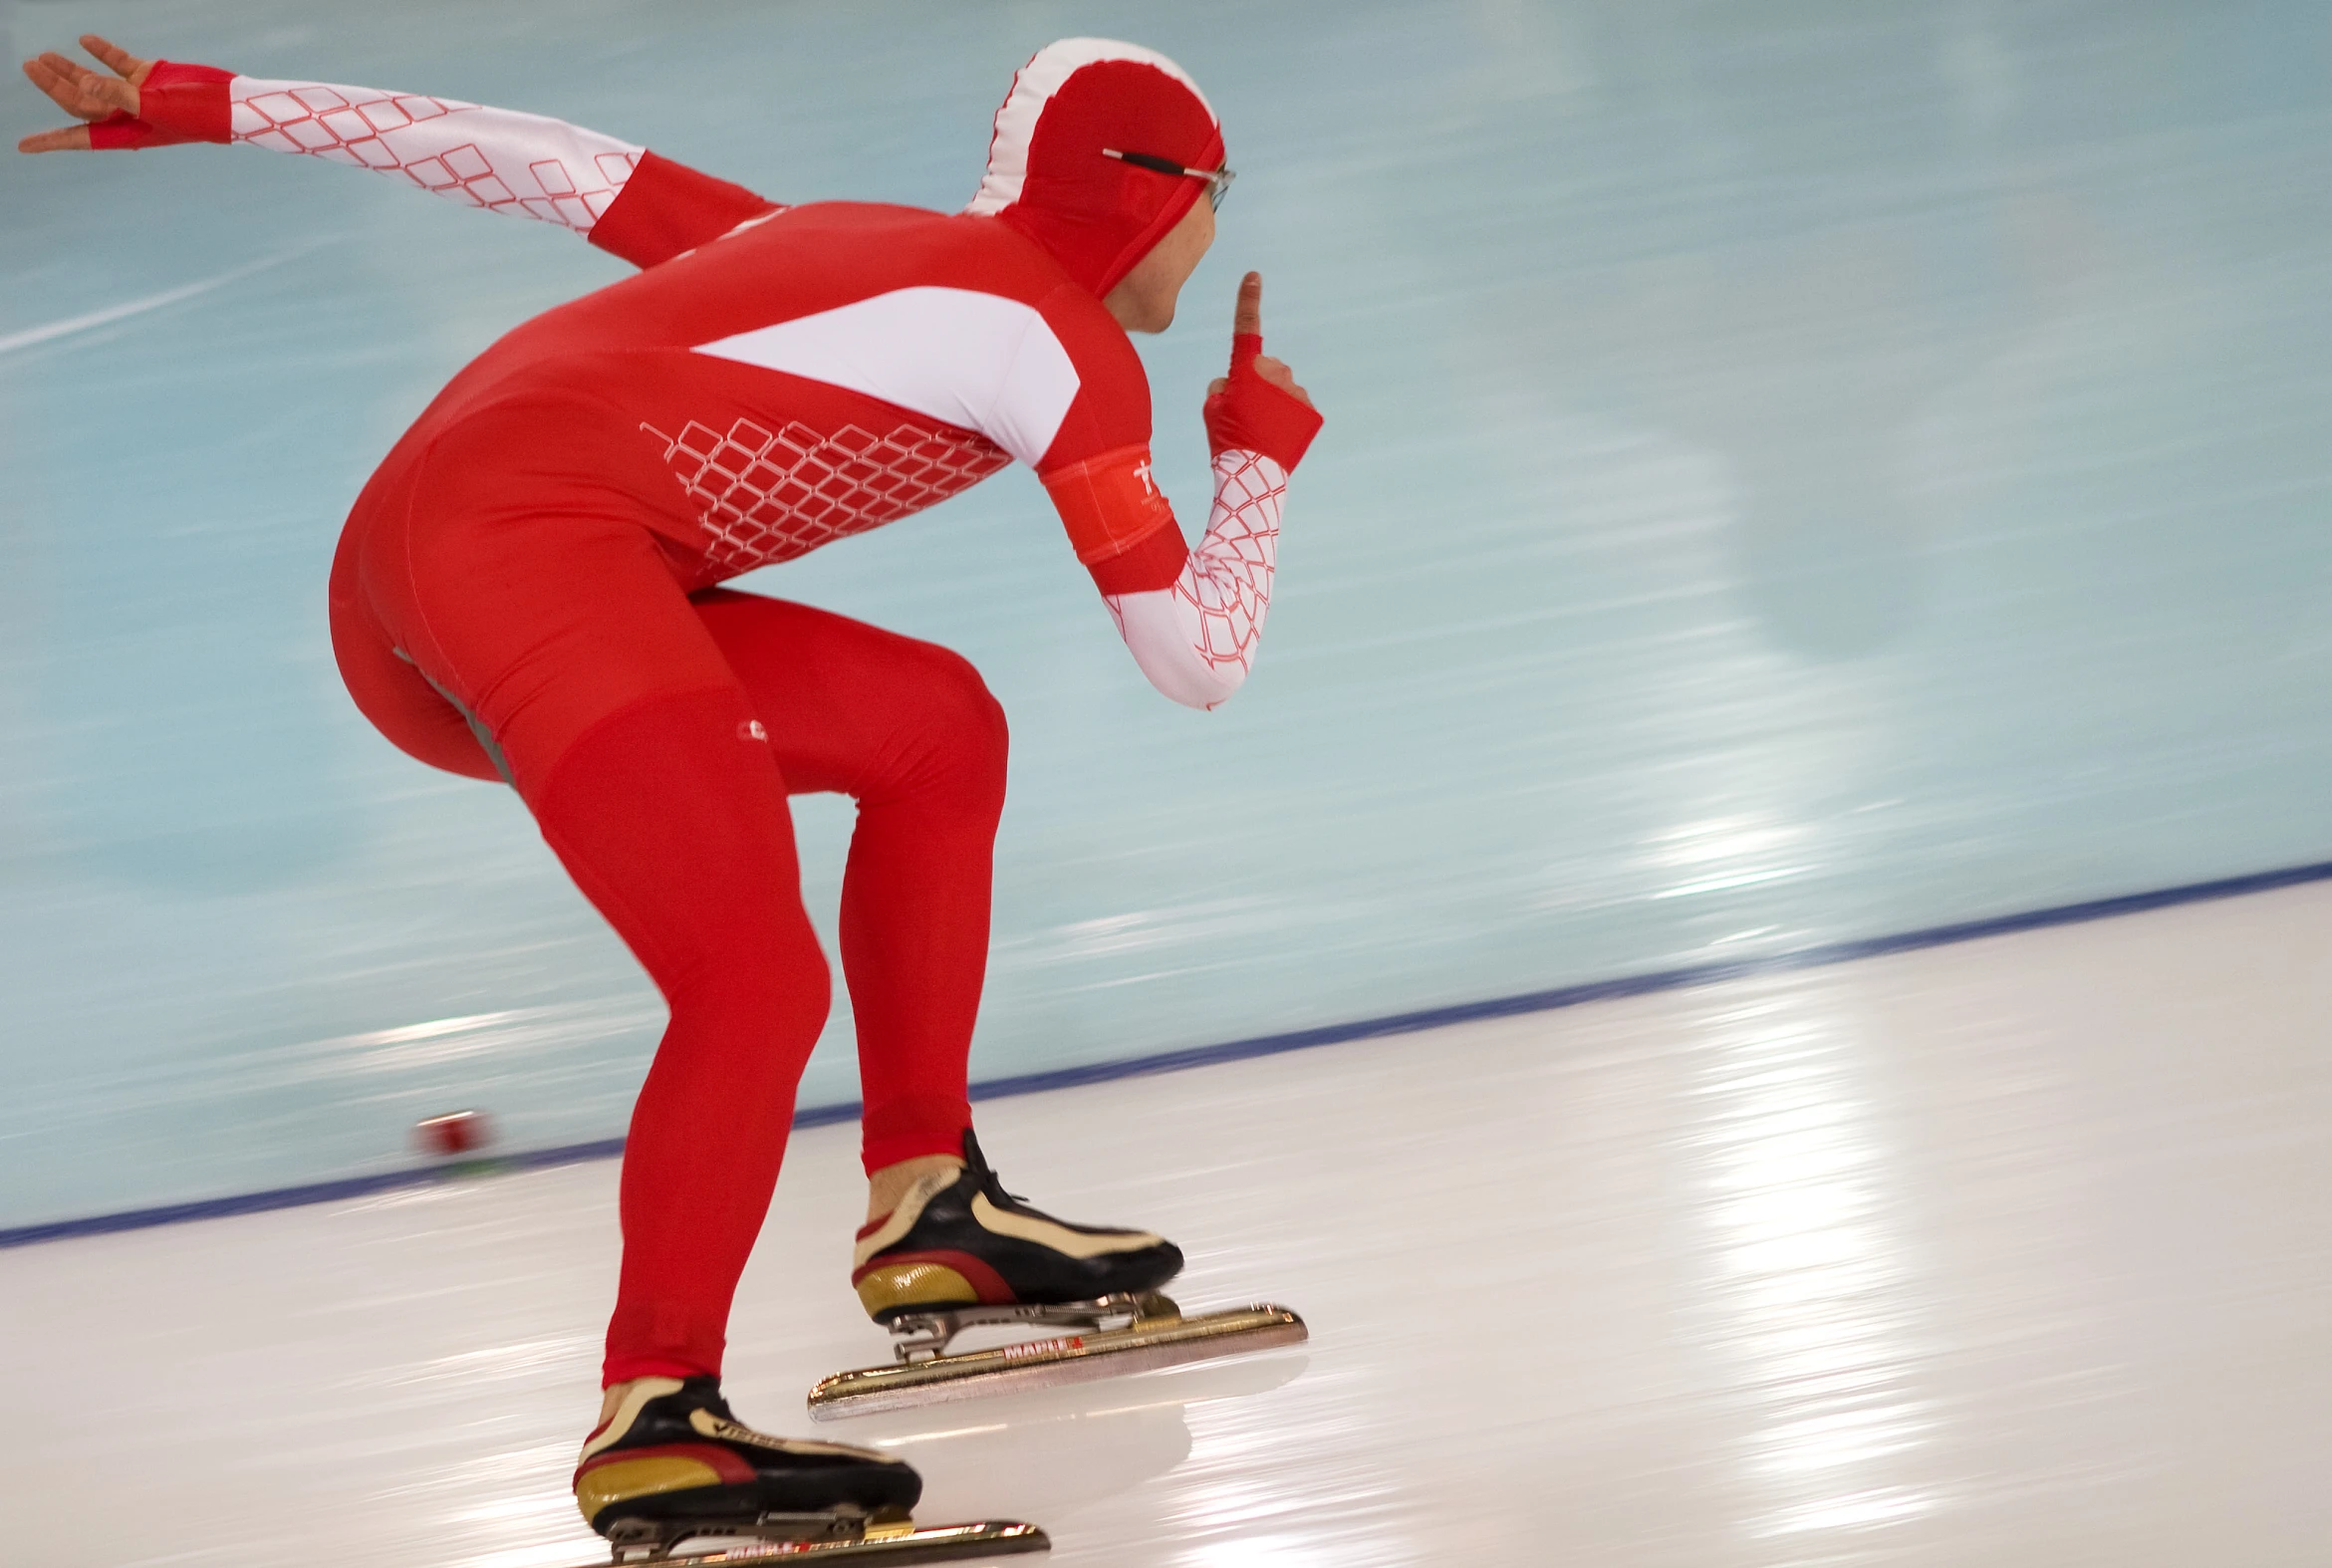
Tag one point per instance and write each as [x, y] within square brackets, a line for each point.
[1193, 619]
[622, 197]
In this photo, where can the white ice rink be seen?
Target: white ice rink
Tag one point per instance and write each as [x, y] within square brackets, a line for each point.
[2013, 1252]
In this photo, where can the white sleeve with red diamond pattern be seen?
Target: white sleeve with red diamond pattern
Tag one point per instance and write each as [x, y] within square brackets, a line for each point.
[1196, 639]
[496, 158]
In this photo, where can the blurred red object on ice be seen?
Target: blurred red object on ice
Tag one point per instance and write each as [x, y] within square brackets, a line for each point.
[454, 1133]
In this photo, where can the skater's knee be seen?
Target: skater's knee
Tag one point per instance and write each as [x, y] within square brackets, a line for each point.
[796, 985]
[768, 972]
[965, 742]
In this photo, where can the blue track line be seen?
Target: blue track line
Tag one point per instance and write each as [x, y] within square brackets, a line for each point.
[1232, 1050]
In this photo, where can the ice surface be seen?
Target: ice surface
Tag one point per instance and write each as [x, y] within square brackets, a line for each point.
[2012, 1253]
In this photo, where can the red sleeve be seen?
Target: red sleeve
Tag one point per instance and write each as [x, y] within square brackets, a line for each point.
[1098, 468]
[666, 208]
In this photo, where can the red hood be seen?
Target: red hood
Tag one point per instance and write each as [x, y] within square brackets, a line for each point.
[1047, 177]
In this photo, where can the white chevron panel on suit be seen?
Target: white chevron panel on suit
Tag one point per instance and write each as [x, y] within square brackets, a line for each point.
[968, 358]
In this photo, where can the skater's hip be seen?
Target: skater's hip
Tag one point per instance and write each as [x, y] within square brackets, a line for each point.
[515, 563]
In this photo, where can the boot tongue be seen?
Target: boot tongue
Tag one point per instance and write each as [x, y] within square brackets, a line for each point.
[983, 1174]
[704, 1393]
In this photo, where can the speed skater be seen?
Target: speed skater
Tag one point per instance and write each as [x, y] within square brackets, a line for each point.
[528, 589]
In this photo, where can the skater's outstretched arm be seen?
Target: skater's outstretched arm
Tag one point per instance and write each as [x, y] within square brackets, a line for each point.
[1193, 619]
[622, 198]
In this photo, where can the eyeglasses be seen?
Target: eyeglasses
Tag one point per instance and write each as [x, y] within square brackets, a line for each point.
[1219, 180]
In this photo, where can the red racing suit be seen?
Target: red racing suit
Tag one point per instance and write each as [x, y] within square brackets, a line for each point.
[528, 587]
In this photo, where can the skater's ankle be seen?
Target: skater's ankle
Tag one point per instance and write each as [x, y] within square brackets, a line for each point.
[613, 1397]
[611, 1400]
[886, 1186]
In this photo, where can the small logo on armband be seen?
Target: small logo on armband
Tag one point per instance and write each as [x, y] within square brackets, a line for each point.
[751, 730]
[1108, 503]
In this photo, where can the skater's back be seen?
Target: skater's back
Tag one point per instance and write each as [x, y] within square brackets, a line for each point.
[851, 360]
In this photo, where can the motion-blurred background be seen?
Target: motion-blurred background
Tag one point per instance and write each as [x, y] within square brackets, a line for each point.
[1794, 472]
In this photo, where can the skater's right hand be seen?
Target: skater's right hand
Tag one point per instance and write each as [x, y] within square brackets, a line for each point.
[84, 93]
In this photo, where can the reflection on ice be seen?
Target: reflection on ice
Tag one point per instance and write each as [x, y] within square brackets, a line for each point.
[1232, 1507]
[1811, 1291]
[1264, 1551]
[572, 1355]
[1049, 1452]
[1730, 852]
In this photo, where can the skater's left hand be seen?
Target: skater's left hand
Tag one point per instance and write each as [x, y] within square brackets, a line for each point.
[1247, 322]
[1259, 407]
[84, 93]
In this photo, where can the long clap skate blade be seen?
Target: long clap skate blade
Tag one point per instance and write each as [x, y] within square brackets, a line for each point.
[889, 1544]
[1144, 1346]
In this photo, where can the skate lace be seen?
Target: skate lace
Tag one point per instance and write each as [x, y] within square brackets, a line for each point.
[993, 1185]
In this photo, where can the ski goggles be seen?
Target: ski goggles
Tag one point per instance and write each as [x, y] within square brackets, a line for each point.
[1219, 180]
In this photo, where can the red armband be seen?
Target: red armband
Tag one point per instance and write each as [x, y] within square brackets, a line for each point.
[1256, 416]
[175, 104]
[1119, 525]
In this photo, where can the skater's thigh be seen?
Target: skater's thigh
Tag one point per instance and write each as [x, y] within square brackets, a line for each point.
[542, 608]
[850, 708]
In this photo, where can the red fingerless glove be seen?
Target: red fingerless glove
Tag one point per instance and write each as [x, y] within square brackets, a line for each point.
[1254, 415]
[176, 102]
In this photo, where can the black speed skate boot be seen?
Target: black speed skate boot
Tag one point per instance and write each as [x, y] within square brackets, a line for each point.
[962, 1241]
[672, 1463]
[960, 1252]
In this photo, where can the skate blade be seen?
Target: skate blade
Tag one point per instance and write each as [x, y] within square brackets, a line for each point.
[886, 1544]
[1144, 1346]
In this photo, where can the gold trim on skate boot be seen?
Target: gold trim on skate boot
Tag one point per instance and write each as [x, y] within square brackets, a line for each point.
[1153, 1335]
[621, 1480]
[912, 1285]
[829, 1538]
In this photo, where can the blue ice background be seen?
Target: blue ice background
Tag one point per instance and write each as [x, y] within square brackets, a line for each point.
[1794, 472]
